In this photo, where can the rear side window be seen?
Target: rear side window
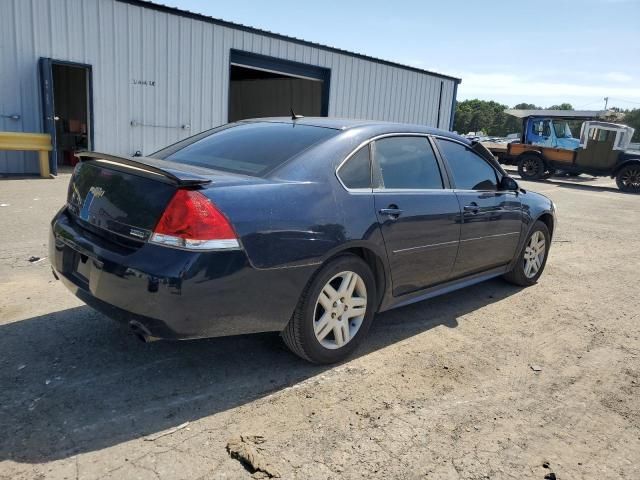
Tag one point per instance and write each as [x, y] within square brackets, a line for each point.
[407, 163]
[356, 172]
[247, 148]
[469, 170]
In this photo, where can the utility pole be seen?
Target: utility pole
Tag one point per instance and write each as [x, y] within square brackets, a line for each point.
[606, 102]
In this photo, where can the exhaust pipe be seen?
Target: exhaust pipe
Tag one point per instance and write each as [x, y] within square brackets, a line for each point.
[141, 332]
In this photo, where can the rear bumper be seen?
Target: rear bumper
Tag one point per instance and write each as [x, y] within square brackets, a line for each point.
[174, 294]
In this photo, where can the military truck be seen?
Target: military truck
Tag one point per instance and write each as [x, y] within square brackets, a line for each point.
[547, 145]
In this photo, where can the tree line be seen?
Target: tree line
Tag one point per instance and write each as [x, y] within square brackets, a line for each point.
[489, 117]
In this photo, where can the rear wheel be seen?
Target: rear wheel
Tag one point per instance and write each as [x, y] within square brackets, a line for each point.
[628, 178]
[531, 167]
[533, 257]
[334, 313]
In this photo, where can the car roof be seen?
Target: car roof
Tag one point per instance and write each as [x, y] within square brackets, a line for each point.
[376, 126]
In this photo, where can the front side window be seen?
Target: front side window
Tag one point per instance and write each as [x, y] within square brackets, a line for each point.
[470, 171]
[407, 163]
[356, 172]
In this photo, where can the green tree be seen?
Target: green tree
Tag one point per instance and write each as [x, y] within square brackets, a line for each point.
[480, 115]
[527, 106]
[562, 106]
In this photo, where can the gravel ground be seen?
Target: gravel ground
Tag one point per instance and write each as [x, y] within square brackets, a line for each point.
[443, 389]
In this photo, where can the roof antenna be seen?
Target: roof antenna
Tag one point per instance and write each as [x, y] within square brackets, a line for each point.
[294, 116]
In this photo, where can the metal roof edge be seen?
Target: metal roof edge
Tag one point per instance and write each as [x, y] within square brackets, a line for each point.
[238, 26]
[577, 114]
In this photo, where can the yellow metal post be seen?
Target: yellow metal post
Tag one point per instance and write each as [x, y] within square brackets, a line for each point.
[43, 158]
[39, 142]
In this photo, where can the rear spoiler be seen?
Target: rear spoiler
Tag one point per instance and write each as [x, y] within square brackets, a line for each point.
[154, 166]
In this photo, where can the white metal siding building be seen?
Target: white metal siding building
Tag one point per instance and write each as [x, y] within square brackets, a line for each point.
[148, 75]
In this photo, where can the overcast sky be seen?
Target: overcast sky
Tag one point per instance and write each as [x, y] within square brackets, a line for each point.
[536, 51]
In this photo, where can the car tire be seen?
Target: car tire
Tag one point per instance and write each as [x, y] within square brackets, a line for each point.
[316, 333]
[628, 178]
[531, 167]
[522, 273]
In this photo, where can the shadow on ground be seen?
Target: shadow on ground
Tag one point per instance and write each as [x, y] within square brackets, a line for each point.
[577, 184]
[581, 182]
[73, 381]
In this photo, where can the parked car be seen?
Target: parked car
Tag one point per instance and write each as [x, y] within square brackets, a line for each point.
[305, 226]
[513, 137]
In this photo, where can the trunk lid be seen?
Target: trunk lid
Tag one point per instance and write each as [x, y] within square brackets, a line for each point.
[123, 198]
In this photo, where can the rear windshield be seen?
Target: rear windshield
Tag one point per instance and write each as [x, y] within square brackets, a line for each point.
[247, 148]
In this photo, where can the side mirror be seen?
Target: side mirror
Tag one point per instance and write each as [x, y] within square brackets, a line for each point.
[509, 184]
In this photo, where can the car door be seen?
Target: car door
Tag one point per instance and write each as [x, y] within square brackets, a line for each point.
[491, 220]
[417, 212]
[598, 152]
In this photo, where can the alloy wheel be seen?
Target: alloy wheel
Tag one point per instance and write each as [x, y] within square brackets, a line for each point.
[340, 310]
[630, 178]
[534, 254]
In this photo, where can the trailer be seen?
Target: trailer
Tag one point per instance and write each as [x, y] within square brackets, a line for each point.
[547, 145]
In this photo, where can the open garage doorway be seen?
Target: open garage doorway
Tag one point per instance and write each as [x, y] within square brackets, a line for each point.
[66, 108]
[261, 86]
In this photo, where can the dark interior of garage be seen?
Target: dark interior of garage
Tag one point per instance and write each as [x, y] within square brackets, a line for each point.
[70, 91]
[260, 93]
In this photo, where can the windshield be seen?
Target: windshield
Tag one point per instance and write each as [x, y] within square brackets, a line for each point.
[248, 148]
[562, 129]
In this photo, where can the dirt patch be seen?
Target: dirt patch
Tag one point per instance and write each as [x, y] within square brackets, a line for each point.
[444, 389]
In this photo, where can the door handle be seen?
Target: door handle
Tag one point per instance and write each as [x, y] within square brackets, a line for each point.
[391, 211]
[472, 208]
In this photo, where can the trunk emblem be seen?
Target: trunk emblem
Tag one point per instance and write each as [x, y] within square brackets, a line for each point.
[137, 233]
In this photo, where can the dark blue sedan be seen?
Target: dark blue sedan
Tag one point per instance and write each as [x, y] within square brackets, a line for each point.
[305, 226]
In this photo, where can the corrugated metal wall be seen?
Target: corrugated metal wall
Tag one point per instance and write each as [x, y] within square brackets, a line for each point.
[188, 59]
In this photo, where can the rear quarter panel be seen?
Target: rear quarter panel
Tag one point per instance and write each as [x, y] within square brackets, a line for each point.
[302, 215]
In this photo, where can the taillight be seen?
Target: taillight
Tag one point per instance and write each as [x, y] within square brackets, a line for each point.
[191, 221]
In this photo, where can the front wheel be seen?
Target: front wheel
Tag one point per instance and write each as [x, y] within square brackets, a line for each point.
[531, 167]
[334, 313]
[532, 258]
[628, 178]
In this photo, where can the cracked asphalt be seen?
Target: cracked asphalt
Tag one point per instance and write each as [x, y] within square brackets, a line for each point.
[442, 389]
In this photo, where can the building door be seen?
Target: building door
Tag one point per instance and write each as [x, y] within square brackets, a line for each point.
[261, 86]
[66, 109]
